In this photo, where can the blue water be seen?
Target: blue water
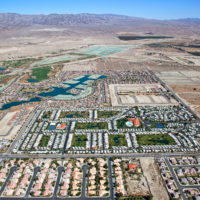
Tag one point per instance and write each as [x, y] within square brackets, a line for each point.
[31, 80]
[17, 103]
[116, 140]
[51, 127]
[74, 116]
[63, 91]
[159, 126]
[2, 69]
[56, 91]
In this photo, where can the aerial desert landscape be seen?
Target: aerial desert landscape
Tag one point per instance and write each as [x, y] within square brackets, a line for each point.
[99, 106]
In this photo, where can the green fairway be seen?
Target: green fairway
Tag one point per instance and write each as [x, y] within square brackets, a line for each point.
[79, 141]
[107, 114]
[17, 63]
[91, 125]
[74, 114]
[44, 141]
[155, 139]
[40, 73]
[117, 140]
[56, 59]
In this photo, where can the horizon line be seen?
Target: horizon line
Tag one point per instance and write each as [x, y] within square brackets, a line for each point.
[88, 13]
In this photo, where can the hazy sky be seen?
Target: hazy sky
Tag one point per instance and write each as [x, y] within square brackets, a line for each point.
[157, 9]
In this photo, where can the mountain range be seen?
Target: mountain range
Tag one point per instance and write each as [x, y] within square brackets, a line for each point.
[113, 22]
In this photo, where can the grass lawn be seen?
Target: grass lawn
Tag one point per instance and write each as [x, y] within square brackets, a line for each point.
[79, 141]
[159, 139]
[74, 114]
[107, 114]
[40, 73]
[91, 125]
[44, 141]
[117, 140]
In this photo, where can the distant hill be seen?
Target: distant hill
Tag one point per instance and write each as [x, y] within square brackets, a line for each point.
[190, 19]
[12, 19]
[114, 22]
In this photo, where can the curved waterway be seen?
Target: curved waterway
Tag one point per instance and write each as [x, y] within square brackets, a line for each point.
[80, 83]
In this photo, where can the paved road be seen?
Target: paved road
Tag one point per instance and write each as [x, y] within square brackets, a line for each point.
[110, 178]
[135, 155]
[180, 188]
[12, 170]
[83, 192]
[60, 170]
[36, 170]
[67, 136]
[112, 125]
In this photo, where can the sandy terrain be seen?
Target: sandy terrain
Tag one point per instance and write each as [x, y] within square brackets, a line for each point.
[137, 186]
[190, 93]
[180, 77]
[83, 65]
[12, 134]
[100, 64]
[6, 122]
[154, 179]
[186, 60]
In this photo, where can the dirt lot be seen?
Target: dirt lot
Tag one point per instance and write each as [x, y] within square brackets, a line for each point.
[190, 93]
[101, 64]
[7, 121]
[186, 88]
[137, 186]
[154, 179]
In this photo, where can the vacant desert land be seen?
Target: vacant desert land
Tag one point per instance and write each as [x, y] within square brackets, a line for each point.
[154, 178]
[180, 77]
[190, 93]
[83, 65]
[7, 122]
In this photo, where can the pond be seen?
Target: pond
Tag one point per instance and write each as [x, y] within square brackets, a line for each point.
[83, 80]
[116, 140]
[52, 127]
[17, 103]
[159, 126]
[31, 80]
[75, 115]
[69, 86]
[79, 140]
[92, 126]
